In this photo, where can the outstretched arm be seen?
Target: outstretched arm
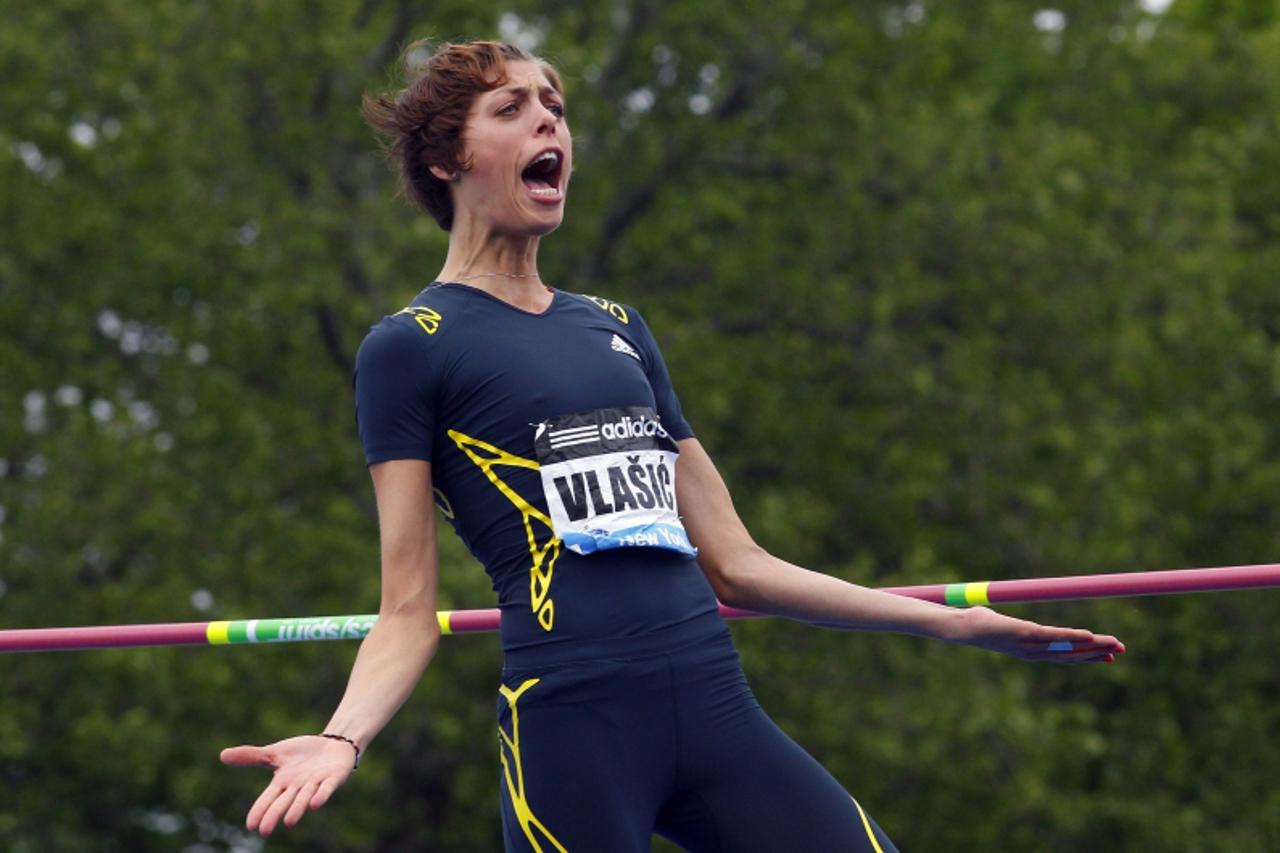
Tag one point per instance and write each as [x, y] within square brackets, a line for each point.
[745, 575]
[388, 665]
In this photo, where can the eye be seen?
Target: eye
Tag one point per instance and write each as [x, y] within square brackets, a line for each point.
[556, 109]
[509, 109]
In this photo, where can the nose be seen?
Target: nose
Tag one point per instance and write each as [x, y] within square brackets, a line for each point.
[546, 120]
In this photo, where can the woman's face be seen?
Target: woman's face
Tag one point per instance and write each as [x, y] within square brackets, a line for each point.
[521, 155]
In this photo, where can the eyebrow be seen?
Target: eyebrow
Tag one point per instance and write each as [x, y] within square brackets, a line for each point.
[523, 91]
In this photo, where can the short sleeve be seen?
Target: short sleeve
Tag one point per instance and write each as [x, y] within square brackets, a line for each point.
[668, 404]
[394, 394]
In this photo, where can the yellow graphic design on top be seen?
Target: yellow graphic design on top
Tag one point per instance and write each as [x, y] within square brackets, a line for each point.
[428, 318]
[544, 555]
[866, 824]
[618, 312]
[513, 772]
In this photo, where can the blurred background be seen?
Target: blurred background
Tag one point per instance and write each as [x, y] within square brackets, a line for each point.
[951, 291]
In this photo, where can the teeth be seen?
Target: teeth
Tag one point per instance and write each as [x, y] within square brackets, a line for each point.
[547, 191]
[546, 155]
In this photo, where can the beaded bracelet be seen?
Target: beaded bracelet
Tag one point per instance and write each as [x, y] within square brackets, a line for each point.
[354, 746]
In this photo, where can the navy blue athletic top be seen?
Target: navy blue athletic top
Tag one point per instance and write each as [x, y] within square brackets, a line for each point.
[552, 439]
[552, 443]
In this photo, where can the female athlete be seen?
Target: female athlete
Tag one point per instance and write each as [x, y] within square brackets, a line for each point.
[544, 425]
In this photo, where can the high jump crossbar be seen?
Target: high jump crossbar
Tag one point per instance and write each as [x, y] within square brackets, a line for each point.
[309, 628]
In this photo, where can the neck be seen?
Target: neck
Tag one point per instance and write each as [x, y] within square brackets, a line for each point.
[503, 265]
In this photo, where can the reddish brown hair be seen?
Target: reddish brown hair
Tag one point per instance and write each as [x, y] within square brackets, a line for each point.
[423, 122]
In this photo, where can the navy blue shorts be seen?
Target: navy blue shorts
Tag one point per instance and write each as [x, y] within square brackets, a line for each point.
[599, 754]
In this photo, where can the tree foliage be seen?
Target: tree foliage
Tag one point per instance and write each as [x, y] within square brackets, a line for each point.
[951, 291]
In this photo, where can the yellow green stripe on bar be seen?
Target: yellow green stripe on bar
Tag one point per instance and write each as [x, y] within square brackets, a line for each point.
[442, 616]
[216, 633]
[967, 594]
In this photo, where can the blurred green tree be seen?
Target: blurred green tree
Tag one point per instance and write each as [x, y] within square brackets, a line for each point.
[951, 292]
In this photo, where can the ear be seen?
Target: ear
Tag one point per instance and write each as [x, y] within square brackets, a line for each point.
[443, 174]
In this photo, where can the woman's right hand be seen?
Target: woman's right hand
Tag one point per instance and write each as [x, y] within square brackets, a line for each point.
[308, 769]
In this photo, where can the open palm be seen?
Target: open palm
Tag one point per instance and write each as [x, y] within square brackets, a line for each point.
[308, 769]
[987, 629]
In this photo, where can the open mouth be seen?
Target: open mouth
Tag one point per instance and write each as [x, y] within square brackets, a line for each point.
[542, 175]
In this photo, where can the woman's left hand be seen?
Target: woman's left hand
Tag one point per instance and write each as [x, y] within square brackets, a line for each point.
[1020, 638]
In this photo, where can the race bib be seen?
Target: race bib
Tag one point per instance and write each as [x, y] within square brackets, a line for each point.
[610, 480]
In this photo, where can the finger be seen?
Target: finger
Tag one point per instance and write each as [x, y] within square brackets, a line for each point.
[276, 810]
[1085, 659]
[1059, 643]
[1099, 641]
[300, 803]
[260, 806]
[1050, 633]
[247, 756]
[1079, 636]
[1085, 655]
[1115, 644]
[1080, 655]
[1052, 647]
[327, 787]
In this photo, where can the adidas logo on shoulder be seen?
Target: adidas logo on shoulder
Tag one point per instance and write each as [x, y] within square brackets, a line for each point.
[618, 344]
